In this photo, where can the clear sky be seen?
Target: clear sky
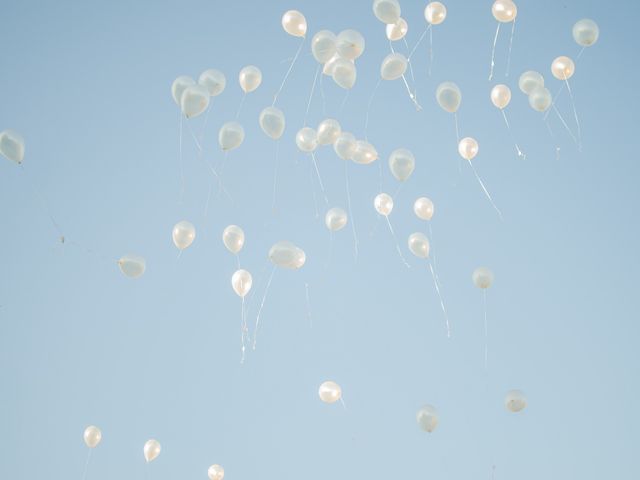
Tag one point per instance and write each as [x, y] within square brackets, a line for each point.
[88, 86]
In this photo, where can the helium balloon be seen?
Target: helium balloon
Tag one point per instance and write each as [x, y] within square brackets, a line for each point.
[435, 13]
[294, 23]
[540, 99]
[194, 100]
[330, 64]
[323, 46]
[529, 81]
[213, 80]
[387, 11]
[215, 472]
[393, 66]
[364, 153]
[345, 145]
[335, 219]
[482, 277]
[151, 450]
[350, 44]
[328, 131]
[233, 238]
[343, 72]
[383, 203]
[402, 163]
[230, 136]
[330, 392]
[515, 401]
[12, 146]
[250, 78]
[241, 281]
[501, 96]
[307, 139]
[397, 31]
[92, 436]
[286, 255]
[427, 418]
[585, 32]
[132, 266]
[419, 245]
[449, 96]
[563, 68]
[272, 122]
[504, 11]
[423, 208]
[178, 86]
[468, 148]
[184, 233]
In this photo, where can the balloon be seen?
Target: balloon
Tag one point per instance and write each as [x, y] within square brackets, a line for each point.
[286, 255]
[427, 418]
[92, 436]
[330, 392]
[294, 23]
[151, 450]
[194, 100]
[419, 245]
[184, 233]
[397, 31]
[307, 139]
[482, 277]
[215, 472]
[233, 238]
[501, 96]
[230, 136]
[402, 163]
[540, 99]
[449, 96]
[468, 148]
[344, 73]
[330, 64]
[383, 203]
[241, 281]
[132, 266]
[272, 122]
[387, 11]
[435, 13]
[350, 44]
[515, 401]
[423, 208]
[179, 85]
[364, 153]
[328, 131]
[529, 81]
[12, 146]
[213, 80]
[393, 66]
[323, 45]
[585, 32]
[504, 10]
[345, 145]
[563, 68]
[335, 219]
[250, 78]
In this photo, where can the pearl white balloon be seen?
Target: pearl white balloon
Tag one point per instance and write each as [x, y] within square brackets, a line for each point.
[233, 238]
[184, 233]
[529, 81]
[307, 139]
[250, 78]
[387, 11]
[241, 282]
[468, 148]
[364, 153]
[540, 99]
[12, 146]
[563, 68]
[383, 203]
[393, 66]
[230, 136]
[504, 10]
[397, 31]
[330, 392]
[214, 81]
[328, 131]
[585, 32]
[272, 122]
[151, 450]
[350, 44]
[178, 86]
[500, 96]
[132, 266]
[435, 13]
[335, 219]
[515, 401]
[427, 418]
[449, 96]
[345, 145]
[423, 208]
[482, 277]
[402, 163]
[194, 100]
[294, 23]
[215, 472]
[285, 254]
[419, 245]
[343, 72]
[92, 436]
[323, 45]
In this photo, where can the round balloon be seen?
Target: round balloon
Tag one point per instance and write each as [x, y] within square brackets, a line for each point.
[335, 219]
[230, 136]
[250, 78]
[330, 392]
[402, 163]
[323, 45]
[92, 436]
[178, 86]
[364, 153]
[272, 122]
[419, 245]
[241, 282]
[449, 96]
[328, 131]
[585, 32]
[423, 208]
[350, 44]
[540, 99]
[345, 145]
[397, 31]
[286, 255]
[435, 13]
[482, 277]
[213, 80]
[501, 96]
[387, 11]
[194, 100]
[233, 238]
[307, 139]
[184, 233]
[504, 10]
[132, 266]
[393, 66]
[563, 68]
[383, 203]
[468, 148]
[515, 401]
[151, 450]
[427, 418]
[294, 23]
[215, 472]
[529, 81]
[12, 146]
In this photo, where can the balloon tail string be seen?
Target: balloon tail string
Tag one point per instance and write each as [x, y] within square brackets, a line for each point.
[306, 293]
[455, 118]
[486, 192]
[286, 76]
[513, 29]
[413, 50]
[395, 239]
[315, 165]
[493, 52]
[344, 102]
[351, 219]
[313, 192]
[264, 297]
[86, 464]
[244, 95]
[44, 204]
[504, 116]
[411, 95]
[275, 177]
[211, 168]
[330, 253]
[444, 310]
[564, 123]
[366, 118]
[324, 100]
[435, 263]
[313, 87]
[180, 160]
[486, 329]
[580, 53]
[243, 331]
[575, 114]
[430, 50]
[413, 78]
[343, 404]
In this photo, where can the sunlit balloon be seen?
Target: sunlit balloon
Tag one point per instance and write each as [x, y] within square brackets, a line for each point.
[194, 100]
[335, 219]
[343, 72]
[529, 81]
[540, 99]
[402, 163]
[563, 68]
[501, 96]
[345, 145]
[350, 44]
[241, 282]
[383, 203]
[435, 13]
[323, 45]
[272, 122]
[215, 472]
[233, 238]
[285, 254]
[12, 146]
[468, 148]
[482, 277]
[364, 153]
[387, 11]
[330, 392]
[213, 80]
[504, 10]
[151, 450]
[427, 418]
[250, 78]
[132, 266]
[328, 131]
[515, 401]
[179, 85]
[230, 136]
[419, 245]
[294, 23]
[92, 436]
[393, 66]
[585, 32]
[449, 96]
[184, 233]
[423, 208]
[307, 139]
[396, 31]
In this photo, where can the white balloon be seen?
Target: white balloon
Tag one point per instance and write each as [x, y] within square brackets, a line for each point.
[419, 245]
[215, 472]
[387, 11]
[178, 86]
[194, 100]
[335, 219]
[241, 282]
[482, 277]
[307, 139]
[294, 23]
[364, 153]
[323, 45]
[383, 203]
[350, 44]
[184, 233]
[330, 392]
[501, 96]
[328, 131]
[529, 81]
[272, 122]
[515, 401]
[468, 148]
[449, 96]
[233, 238]
[230, 136]
[540, 99]
[504, 10]
[402, 163]
[213, 80]
[427, 418]
[423, 208]
[12, 146]
[329, 65]
[397, 31]
[151, 450]
[345, 145]
[585, 32]
[132, 266]
[393, 66]
[343, 72]
[92, 436]
[286, 255]
[435, 13]
[250, 78]
[563, 68]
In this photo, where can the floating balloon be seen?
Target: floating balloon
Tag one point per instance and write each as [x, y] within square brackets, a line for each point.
[194, 100]
[540, 99]
[529, 81]
[215, 472]
[427, 418]
[419, 245]
[250, 78]
[364, 153]
[272, 122]
[387, 11]
[423, 208]
[435, 13]
[393, 66]
[330, 64]
[468, 148]
[151, 450]
[241, 281]
[345, 145]
[504, 11]
[230, 136]
[132, 266]
[335, 219]
[396, 31]
[482, 277]
[343, 72]
[501, 96]
[585, 32]
[449, 96]
[233, 238]
[402, 163]
[12, 146]
[330, 392]
[563, 68]
[92, 436]
[286, 255]
[213, 80]
[307, 139]
[328, 131]
[350, 44]
[515, 401]
[184, 233]
[178, 86]
[383, 203]
[294, 23]
[323, 46]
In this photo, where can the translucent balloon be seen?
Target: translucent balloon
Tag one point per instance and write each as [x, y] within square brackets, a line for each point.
[330, 392]
[345, 145]
[350, 44]
[92, 436]
[335, 219]
[286, 255]
[250, 78]
[504, 10]
[215, 472]
[529, 81]
[151, 450]
[343, 72]
[435, 13]
[515, 401]
[230, 136]
[585, 32]
[383, 203]
[468, 148]
[328, 131]
[393, 66]
[307, 139]
[427, 418]
[194, 100]
[501, 96]
[294, 23]
[449, 96]
[423, 208]
[184, 233]
[397, 31]
[12, 146]
[241, 281]
[132, 266]
[233, 238]
[563, 68]
[540, 99]
[178, 86]
[402, 163]
[387, 11]
[419, 245]
[482, 277]
[323, 45]
[272, 122]
[330, 64]
[364, 153]
[213, 80]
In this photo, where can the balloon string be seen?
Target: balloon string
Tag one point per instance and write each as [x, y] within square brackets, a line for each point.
[366, 119]
[513, 29]
[413, 78]
[433, 255]
[275, 176]
[313, 87]
[395, 239]
[180, 160]
[306, 293]
[351, 219]
[419, 41]
[444, 310]
[520, 154]
[243, 331]
[324, 101]
[86, 464]
[564, 123]
[211, 169]
[344, 102]
[286, 76]
[575, 114]
[313, 192]
[43, 203]
[264, 297]
[315, 164]
[486, 329]
[244, 95]
[430, 50]
[411, 95]
[580, 53]
[493, 52]
[546, 123]
[486, 192]
[455, 118]
[344, 405]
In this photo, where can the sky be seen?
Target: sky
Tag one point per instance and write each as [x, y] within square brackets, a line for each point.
[88, 85]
